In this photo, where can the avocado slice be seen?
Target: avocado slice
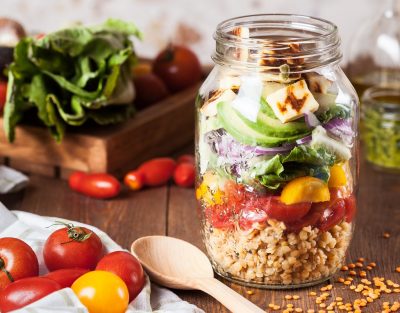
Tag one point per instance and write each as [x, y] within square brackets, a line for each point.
[268, 124]
[234, 123]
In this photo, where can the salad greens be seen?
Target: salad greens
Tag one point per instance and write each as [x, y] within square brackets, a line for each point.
[335, 111]
[71, 76]
[270, 153]
[301, 161]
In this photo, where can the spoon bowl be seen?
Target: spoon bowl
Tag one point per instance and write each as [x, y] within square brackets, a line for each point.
[171, 262]
[175, 263]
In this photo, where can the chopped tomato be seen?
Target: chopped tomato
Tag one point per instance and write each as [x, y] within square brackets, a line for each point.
[311, 218]
[333, 213]
[219, 216]
[351, 208]
[284, 212]
[235, 193]
[249, 216]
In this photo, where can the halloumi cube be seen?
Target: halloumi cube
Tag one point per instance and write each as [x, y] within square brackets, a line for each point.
[210, 107]
[292, 102]
[318, 83]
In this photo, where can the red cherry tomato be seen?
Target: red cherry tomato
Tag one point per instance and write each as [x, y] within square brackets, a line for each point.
[3, 94]
[186, 158]
[184, 175]
[98, 185]
[178, 67]
[286, 213]
[249, 216]
[26, 291]
[17, 260]
[311, 219]
[74, 180]
[149, 89]
[72, 247]
[127, 267]
[158, 171]
[66, 277]
[351, 208]
[219, 216]
[333, 212]
[134, 180]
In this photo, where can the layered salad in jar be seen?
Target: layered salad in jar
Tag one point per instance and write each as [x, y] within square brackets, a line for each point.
[275, 186]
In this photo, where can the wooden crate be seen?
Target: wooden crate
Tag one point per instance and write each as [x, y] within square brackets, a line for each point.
[156, 131]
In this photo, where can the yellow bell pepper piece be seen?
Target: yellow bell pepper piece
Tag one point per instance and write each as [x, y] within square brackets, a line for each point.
[338, 177]
[305, 189]
[209, 191]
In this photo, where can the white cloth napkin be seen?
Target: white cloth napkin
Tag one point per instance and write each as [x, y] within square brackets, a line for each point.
[11, 180]
[32, 229]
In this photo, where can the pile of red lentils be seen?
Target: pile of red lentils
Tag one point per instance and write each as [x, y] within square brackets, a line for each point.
[355, 279]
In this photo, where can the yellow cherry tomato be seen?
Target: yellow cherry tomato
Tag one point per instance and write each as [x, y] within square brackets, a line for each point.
[102, 292]
[305, 189]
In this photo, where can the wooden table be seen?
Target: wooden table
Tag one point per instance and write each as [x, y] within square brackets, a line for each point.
[172, 211]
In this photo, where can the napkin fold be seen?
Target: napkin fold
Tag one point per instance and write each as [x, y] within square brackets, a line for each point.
[32, 229]
[11, 180]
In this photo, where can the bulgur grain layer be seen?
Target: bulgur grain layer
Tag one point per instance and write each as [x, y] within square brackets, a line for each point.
[268, 255]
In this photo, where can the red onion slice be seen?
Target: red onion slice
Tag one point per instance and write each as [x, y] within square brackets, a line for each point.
[304, 140]
[275, 150]
[311, 120]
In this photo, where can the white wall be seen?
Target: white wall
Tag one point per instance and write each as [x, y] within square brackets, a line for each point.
[190, 21]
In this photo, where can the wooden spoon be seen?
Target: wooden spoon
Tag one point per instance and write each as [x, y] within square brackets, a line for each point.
[175, 263]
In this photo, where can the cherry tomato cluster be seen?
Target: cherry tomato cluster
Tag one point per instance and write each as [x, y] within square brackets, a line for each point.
[76, 259]
[243, 206]
[175, 68]
[153, 173]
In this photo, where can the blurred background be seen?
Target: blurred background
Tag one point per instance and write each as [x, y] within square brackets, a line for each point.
[186, 21]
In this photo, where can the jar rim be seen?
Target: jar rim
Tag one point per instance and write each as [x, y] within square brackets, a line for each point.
[272, 34]
[221, 33]
[384, 100]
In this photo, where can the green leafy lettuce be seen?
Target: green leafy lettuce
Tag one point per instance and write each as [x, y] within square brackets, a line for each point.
[72, 75]
[335, 111]
[301, 161]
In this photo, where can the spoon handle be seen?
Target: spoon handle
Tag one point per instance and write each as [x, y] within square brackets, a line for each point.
[229, 298]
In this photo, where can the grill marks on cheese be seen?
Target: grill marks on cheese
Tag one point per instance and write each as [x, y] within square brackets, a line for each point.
[292, 101]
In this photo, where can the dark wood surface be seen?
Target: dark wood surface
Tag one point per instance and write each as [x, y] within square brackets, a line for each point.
[172, 211]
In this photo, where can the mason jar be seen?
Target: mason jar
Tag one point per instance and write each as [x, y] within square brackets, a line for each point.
[380, 128]
[276, 151]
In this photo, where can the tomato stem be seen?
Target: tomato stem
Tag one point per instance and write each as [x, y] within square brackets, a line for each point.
[169, 53]
[3, 269]
[74, 233]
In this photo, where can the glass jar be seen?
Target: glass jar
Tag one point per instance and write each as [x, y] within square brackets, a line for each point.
[381, 127]
[276, 151]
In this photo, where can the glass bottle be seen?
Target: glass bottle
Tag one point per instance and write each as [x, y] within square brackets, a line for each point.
[375, 51]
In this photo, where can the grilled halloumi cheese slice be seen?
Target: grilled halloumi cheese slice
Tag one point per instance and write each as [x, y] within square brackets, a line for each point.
[210, 107]
[292, 102]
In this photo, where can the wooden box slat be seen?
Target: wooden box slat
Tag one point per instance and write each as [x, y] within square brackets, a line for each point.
[156, 131]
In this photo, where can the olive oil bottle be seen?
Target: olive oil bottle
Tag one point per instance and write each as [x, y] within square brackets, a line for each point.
[375, 51]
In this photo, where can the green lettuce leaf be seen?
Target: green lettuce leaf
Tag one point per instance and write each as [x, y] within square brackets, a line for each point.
[71, 76]
[301, 161]
[335, 111]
